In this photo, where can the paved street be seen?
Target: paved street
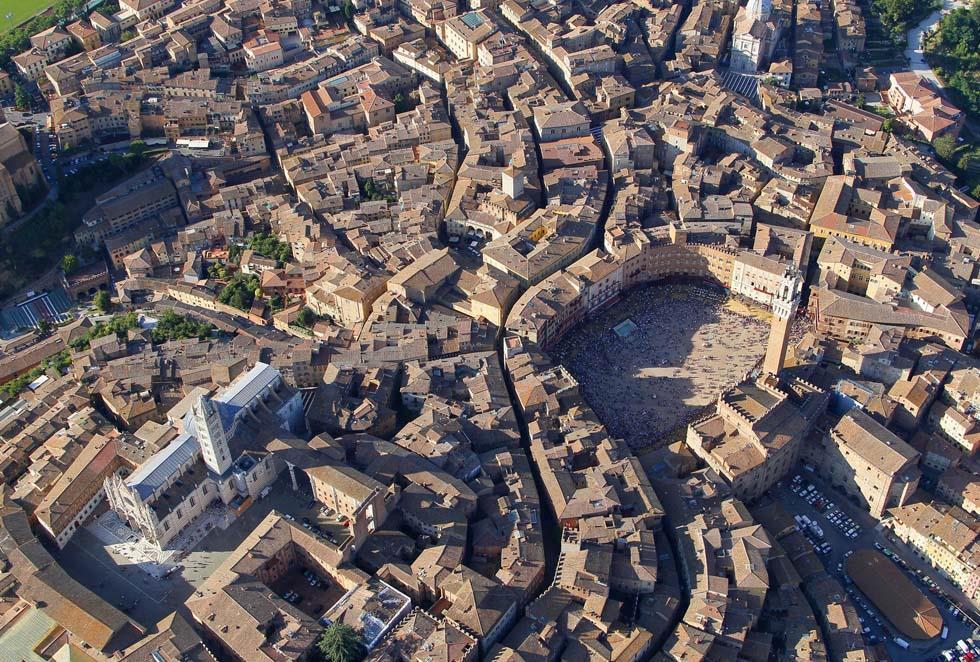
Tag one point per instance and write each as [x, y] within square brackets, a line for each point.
[868, 536]
[913, 52]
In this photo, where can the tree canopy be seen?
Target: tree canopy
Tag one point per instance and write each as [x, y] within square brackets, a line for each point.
[370, 191]
[945, 146]
[897, 16]
[172, 326]
[59, 362]
[69, 264]
[306, 318]
[102, 301]
[263, 243]
[117, 324]
[341, 643]
[954, 51]
[240, 291]
[22, 100]
[17, 39]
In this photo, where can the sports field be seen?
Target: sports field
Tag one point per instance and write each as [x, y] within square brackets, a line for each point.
[15, 12]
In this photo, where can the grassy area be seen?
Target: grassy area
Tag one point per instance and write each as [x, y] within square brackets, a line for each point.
[962, 157]
[17, 11]
[16, 31]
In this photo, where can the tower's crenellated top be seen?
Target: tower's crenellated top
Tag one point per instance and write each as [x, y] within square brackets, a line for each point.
[786, 299]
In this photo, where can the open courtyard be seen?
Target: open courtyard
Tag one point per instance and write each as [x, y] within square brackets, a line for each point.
[685, 345]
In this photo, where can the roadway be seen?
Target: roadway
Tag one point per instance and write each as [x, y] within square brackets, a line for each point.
[913, 51]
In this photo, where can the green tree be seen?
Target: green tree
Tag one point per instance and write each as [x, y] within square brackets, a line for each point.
[172, 326]
[306, 318]
[897, 16]
[22, 99]
[218, 271]
[888, 125]
[118, 324]
[117, 162]
[341, 643]
[402, 104]
[102, 301]
[69, 264]
[240, 291]
[59, 363]
[945, 146]
[348, 10]
[953, 50]
[137, 148]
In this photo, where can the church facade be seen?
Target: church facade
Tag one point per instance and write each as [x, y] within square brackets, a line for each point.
[757, 30]
[220, 455]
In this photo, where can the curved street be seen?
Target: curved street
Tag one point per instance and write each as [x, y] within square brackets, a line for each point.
[913, 51]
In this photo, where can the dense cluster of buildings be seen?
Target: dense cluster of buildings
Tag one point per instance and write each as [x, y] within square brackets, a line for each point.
[384, 227]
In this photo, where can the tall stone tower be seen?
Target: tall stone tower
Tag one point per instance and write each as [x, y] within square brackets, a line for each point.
[759, 9]
[211, 435]
[512, 182]
[784, 304]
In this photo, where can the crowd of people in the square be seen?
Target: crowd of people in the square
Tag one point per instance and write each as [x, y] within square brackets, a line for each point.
[686, 348]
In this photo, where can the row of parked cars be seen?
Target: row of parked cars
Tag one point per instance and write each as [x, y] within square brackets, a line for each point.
[923, 579]
[874, 626]
[809, 493]
[965, 650]
[847, 526]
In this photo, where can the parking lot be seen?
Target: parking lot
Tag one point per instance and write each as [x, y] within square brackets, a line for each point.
[842, 527]
[312, 516]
